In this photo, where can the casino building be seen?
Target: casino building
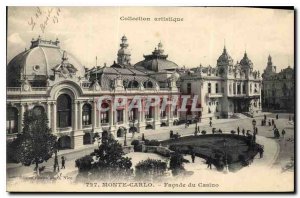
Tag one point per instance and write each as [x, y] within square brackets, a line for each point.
[225, 91]
[46, 78]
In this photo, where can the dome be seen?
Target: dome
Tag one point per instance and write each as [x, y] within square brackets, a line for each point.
[224, 59]
[157, 61]
[246, 61]
[39, 62]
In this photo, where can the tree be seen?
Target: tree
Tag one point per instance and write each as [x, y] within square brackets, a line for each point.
[110, 161]
[35, 144]
[176, 163]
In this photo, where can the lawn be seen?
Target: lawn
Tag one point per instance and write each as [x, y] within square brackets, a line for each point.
[208, 145]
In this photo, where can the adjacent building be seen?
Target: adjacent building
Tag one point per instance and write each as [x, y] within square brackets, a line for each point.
[278, 92]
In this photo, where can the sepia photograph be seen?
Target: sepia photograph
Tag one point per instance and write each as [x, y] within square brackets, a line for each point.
[150, 99]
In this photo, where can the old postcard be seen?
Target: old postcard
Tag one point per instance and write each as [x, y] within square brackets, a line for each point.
[150, 99]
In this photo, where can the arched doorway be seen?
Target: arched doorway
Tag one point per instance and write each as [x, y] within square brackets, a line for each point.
[87, 138]
[64, 142]
[12, 120]
[64, 111]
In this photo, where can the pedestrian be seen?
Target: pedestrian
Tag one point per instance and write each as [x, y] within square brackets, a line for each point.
[171, 134]
[238, 130]
[265, 117]
[193, 157]
[210, 123]
[276, 116]
[56, 165]
[63, 162]
[261, 152]
[283, 133]
[208, 162]
[243, 132]
[269, 122]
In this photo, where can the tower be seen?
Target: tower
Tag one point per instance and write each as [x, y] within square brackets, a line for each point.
[270, 67]
[124, 53]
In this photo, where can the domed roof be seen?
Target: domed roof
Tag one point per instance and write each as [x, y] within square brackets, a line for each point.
[157, 61]
[246, 61]
[224, 59]
[39, 62]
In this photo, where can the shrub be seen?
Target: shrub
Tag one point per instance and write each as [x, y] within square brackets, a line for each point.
[135, 144]
[203, 132]
[150, 169]
[84, 164]
[152, 143]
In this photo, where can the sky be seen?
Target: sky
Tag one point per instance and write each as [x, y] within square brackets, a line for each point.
[87, 32]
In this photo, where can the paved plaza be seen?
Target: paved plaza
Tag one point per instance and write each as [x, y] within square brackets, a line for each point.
[278, 152]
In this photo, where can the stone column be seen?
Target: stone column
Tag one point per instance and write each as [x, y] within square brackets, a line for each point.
[49, 114]
[54, 117]
[94, 115]
[75, 118]
[111, 115]
[241, 87]
[22, 110]
[80, 104]
[236, 90]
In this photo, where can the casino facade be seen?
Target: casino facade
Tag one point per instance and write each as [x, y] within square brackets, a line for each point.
[47, 79]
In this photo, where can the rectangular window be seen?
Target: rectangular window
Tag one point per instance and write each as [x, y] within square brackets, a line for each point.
[189, 88]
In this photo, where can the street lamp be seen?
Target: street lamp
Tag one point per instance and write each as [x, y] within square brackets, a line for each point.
[254, 124]
[226, 163]
[125, 141]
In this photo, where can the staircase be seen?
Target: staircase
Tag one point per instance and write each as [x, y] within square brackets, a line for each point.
[240, 116]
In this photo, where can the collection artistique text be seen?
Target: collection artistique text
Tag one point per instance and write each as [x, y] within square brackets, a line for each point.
[157, 19]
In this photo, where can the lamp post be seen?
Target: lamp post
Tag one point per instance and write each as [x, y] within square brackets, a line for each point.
[226, 163]
[254, 131]
[254, 124]
[125, 141]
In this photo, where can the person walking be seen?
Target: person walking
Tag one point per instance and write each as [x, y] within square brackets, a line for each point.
[265, 117]
[63, 162]
[56, 165]
[261, 152]
[277, 116]
[208, 161]
[243, 132]
[193, 157]
[238, 130]
[283, 133]
[210, 123]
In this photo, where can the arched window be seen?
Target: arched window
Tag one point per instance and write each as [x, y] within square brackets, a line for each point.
[64, 111]
[209, 87]
[12, 120]
[133, 84]
[86, 114]
[148, 84]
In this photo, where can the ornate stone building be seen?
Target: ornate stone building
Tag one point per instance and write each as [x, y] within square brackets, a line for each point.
[278, 88]
[225, 90]
[48, 79]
